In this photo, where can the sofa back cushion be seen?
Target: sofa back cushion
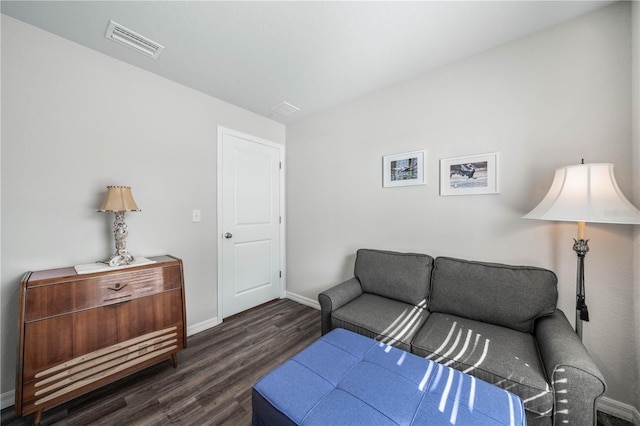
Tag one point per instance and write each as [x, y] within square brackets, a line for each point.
[400, 276]
[510, 296]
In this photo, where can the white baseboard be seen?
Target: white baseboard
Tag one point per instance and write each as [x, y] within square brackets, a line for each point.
[7, 399]
[618, 409]
[304, 300]
[210, 323]
[202, 326]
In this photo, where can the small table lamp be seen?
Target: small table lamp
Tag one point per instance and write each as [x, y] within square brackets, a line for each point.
[585, 193]
[119, 200]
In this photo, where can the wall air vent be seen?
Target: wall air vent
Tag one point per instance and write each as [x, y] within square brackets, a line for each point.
[285, 108]
[133, 40]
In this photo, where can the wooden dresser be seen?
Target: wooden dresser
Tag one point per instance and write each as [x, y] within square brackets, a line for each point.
[79, 332]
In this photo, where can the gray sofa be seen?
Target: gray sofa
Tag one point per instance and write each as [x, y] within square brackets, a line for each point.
[496, 322]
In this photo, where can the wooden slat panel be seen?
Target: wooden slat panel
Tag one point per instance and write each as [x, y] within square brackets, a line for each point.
[110, 361]
[94, 378]
[142, 340]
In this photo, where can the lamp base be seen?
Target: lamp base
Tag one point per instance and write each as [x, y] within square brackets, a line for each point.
[121, 256]
[581, 248]
[119, 260]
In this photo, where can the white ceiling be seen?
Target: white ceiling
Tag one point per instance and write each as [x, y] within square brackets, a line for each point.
[312, 54]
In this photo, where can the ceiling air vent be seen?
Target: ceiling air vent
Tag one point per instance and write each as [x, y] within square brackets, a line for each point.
[284, 108]
[133, 40]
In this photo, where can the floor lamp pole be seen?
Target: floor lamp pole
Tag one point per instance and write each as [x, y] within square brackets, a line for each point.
[581, 248]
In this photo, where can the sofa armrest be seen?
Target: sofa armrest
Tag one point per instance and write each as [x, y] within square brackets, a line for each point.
[575, 378]
[334, 298]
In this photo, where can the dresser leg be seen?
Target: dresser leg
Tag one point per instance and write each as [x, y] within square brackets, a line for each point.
[37, 418]
[174, 358]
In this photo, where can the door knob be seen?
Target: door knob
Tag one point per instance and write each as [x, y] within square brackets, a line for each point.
[228, 235]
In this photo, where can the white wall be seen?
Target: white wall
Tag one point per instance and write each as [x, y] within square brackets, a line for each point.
[75, 121]
[542, 102]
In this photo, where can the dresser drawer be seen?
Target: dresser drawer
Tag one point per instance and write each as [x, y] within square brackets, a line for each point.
[64, 297]
[123, 287]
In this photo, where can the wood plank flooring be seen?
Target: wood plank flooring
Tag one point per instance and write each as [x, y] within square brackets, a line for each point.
[212, 384]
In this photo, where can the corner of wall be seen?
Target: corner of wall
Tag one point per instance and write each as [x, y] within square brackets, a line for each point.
[635, 151]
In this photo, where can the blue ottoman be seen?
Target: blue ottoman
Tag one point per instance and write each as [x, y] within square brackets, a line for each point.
[344, 378]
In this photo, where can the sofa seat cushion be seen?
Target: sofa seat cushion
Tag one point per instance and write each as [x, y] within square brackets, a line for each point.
[498, 355]
[401, 276]
[510, 296]
[386, 320]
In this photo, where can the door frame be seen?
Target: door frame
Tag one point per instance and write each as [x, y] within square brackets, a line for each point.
[220, 232]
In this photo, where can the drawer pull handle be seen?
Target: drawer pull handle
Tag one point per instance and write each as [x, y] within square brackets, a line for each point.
[118, 287]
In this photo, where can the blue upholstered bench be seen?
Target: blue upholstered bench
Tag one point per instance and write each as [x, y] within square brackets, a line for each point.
[347, 379]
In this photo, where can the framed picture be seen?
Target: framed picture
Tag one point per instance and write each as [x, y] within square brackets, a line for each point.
[473, 174]
[404, 169]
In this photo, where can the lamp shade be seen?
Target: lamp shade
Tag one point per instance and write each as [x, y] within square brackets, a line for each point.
[119, 199]
[586, 193]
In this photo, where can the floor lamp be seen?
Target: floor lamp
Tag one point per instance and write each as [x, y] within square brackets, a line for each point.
[585, 193]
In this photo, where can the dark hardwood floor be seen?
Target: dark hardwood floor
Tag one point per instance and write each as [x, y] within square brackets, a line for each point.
[607, 420]
[212, 384]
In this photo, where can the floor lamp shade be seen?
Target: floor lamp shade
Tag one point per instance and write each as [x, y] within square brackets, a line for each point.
[586, 193]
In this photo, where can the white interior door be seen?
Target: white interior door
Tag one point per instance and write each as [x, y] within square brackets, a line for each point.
[250, 232]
